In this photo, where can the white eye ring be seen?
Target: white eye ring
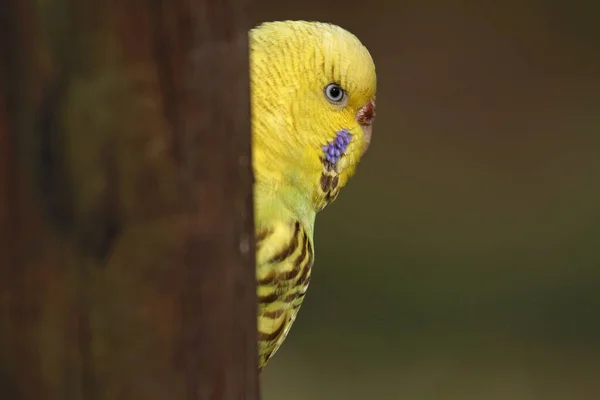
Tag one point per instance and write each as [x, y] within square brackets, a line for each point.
[334, 93]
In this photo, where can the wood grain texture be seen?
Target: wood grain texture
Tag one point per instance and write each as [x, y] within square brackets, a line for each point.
[126, 219]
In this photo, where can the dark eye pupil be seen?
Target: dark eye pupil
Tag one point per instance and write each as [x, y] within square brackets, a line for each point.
[334, 92]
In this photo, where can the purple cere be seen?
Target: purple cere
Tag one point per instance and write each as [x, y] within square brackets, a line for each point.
[337, 147]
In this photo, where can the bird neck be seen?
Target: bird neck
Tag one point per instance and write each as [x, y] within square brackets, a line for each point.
[282, 202]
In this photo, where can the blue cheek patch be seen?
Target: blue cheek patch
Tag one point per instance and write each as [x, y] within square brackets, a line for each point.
[335, 149]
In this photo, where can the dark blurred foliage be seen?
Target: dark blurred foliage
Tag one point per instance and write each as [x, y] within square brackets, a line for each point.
[462, 261]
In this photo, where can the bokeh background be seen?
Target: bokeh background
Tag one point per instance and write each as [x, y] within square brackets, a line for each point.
[463, 260]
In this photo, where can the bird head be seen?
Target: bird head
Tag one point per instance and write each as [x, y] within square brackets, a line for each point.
[313, 89]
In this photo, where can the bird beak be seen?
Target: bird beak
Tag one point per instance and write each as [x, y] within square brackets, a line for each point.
[365, 117]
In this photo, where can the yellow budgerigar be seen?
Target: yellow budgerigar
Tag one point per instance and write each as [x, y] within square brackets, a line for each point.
[313, 102]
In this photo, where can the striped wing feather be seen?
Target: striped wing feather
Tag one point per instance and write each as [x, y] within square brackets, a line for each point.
[284, 260]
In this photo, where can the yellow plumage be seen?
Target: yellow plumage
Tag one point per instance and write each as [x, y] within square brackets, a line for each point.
[306, 144]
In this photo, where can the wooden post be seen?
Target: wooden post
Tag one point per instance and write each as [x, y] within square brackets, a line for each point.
[126, 218]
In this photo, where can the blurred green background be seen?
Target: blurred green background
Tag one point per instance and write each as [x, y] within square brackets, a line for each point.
[462, 261]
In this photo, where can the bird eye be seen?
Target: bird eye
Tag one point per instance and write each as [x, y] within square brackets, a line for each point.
[334, 92]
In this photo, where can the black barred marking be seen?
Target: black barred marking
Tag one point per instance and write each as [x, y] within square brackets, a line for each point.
[262, 235]
[286, 289]
[329, 183]
[294, 296]
[289, 249]
[305, 273]
[331, 196]
[328, 165]
[304, 276]
[298, 261]
[325, 182]
[273, 314]
[269, 278]
[298, 304]
[303, 279]
[335, 182]
[273, 335]
[268, 298]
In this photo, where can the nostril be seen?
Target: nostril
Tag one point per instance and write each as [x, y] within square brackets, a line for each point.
[366, 114]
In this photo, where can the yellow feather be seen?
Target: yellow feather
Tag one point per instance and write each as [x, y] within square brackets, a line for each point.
[291, 63]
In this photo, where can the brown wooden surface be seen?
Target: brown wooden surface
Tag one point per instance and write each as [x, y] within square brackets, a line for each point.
[126, 250]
